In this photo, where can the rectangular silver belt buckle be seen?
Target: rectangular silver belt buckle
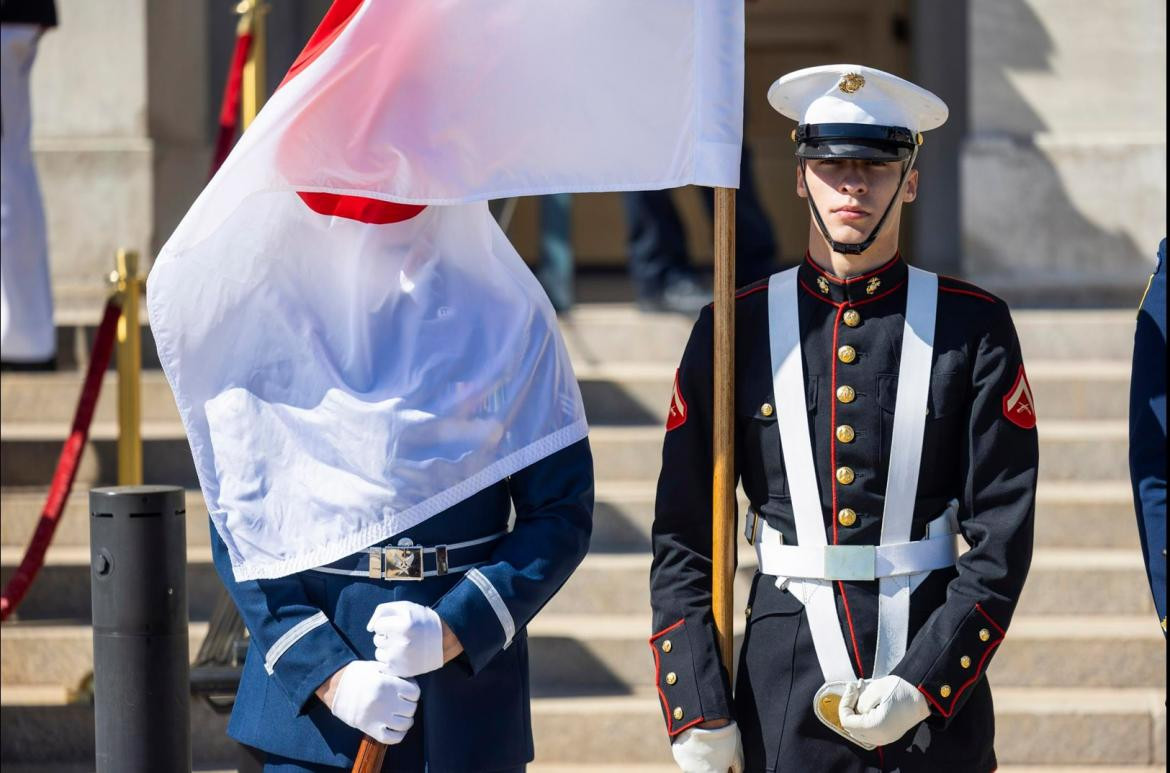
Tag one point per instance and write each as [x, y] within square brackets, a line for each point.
[850, 562]
[403, 563]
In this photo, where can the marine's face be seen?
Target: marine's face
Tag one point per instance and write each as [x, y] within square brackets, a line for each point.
[851, 194]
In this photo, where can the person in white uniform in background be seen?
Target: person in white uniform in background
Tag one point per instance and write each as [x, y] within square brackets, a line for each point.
[27, 338]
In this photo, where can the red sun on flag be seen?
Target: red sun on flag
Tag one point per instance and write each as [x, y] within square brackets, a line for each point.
[678, 407]
[1018, 406]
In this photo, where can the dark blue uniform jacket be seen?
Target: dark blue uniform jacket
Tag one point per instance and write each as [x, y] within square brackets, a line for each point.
[474, 712]
[980, 448]
[1147, 430]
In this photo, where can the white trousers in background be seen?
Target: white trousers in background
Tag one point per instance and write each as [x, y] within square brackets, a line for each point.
[26, 302]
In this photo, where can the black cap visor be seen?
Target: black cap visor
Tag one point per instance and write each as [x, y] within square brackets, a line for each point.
[860, 141]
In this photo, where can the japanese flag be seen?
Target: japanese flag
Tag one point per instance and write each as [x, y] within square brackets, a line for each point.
[353, 344]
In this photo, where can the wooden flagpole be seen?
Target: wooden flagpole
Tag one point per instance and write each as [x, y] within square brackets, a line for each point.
[723, 443]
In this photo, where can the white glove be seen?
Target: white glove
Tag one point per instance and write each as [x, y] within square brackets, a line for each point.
[375, 701]
[408, 637]
[880, 711]
[709, 751]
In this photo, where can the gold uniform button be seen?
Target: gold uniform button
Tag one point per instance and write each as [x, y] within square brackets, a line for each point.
[671, 678]
[965, 662]
[846, 354]
[847, 517]
[846, 393]
[984, 634]
[945, 691]
[766, 409]
[845, 433]
[747, 612]
[845, 475]
[678, 712]
[666, 646]
[852, 318]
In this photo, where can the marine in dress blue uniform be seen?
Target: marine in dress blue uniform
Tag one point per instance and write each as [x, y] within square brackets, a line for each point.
[473, 714]
[1147, 431]
[979, 458]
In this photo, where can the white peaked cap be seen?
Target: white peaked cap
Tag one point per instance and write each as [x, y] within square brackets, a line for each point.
[851, 93]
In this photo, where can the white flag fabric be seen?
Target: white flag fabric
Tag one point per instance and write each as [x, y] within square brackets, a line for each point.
[347, 365]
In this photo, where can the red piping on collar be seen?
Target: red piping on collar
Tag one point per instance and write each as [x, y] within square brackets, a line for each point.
[862, 302]
[852, 279]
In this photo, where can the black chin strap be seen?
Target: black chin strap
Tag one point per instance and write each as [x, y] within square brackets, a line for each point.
[860, 247]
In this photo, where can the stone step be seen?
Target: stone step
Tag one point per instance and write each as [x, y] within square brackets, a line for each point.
[1069, 450]
[1045, 727]
[639, 393]
[608, 654]
[613, 333]
[1035, 727]
[1091, 514]
[622, 394]
[1061, 582]
[1084, 513]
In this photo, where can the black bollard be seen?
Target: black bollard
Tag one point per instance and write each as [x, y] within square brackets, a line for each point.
[138, 564]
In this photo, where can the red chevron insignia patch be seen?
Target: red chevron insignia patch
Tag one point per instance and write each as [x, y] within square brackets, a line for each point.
[1018, 406]
[678, 407]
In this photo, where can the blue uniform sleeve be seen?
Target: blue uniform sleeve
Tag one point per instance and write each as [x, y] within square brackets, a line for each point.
[300, 646]
[553, 499]
[1147, 431]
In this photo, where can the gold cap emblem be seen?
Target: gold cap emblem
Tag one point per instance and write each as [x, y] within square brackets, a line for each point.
[851, 82]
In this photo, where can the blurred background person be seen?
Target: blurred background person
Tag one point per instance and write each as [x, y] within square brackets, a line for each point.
[27, 337]
[663, 277]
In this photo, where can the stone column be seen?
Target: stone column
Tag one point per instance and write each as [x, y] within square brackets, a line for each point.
[1064, 167]
[119, 134]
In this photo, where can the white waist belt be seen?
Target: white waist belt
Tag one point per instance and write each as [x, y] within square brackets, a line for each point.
[852, 562]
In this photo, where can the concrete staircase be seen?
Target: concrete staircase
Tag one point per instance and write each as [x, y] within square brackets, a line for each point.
[1079, 682]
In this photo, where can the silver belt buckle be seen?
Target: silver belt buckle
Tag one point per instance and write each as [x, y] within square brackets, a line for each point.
[850, 562]
[404, 562]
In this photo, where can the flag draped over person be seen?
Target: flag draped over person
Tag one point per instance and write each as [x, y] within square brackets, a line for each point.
[353, 344]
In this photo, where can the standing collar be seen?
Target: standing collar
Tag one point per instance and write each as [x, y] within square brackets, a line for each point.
[864, 287]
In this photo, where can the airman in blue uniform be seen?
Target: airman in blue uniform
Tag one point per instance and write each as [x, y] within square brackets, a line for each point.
[484, 581]
[1147, 430]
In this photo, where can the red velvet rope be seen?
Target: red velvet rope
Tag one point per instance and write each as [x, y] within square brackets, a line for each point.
[229, 111]
[34, 555]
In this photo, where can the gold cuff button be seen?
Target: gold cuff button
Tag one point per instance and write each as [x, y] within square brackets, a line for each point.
[766, 409]
[965, 662]
[945, 691]
[845, 433]
[846, 393]
[845, 475]
[852, 318]
[984, 634]
[846, 354]
[847, 517]
[747, 612]
[666, 645]
[678, 712]
[671, 678]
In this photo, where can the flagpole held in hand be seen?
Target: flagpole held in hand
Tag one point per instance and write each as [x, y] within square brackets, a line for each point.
[370, 756]
[723, 483]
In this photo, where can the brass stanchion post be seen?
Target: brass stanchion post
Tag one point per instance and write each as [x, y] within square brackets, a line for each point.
[129, 359]
[255, 86]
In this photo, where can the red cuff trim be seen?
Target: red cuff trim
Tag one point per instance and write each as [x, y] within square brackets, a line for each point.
[671, 730]
[991, 645]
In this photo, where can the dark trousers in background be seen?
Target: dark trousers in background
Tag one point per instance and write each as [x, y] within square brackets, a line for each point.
[658, 248]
